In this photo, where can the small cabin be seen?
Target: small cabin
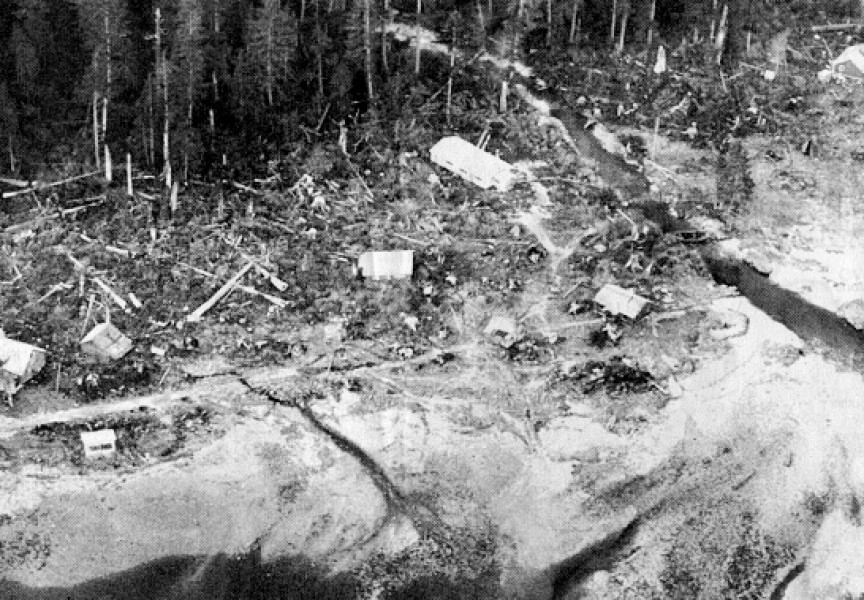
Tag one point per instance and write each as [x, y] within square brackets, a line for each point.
[105, 341]
[394, 264]
[99, 444]
[850, 63]
[19, 362]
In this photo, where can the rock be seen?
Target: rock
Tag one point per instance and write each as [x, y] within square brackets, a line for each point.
[853, 312]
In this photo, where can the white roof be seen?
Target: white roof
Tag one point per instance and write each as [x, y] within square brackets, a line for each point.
[16, 356]
[853, 54]
[470, 162]
[98, 437]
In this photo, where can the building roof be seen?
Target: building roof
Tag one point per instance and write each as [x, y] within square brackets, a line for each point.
[98, 437]
[852, 54]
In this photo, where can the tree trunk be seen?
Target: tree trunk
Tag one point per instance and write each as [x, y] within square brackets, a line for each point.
[130, 189]
[614, 21]
[97, 151]
[417, 48]
[450, 77]
[109, 165]
[574, 19]
[367, 46]
[548, 23]
[712, 31]
[190, 105]
[387, 21]
[720, 39]
[319, 57]
[481, 25]
[162, 69]
[151, 138]
[651, 15]
[623, 32]
[269, 66]
[108, 78]
[11, 155]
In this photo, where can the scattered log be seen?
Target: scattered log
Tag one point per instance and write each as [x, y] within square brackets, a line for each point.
[43, 186]
[82, 268]
[275, 300]
[19, 183]
[220, 293]
[835, 27]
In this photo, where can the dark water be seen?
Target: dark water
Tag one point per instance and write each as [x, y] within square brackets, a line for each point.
[246, 577]
[220, 577]
[834, 334]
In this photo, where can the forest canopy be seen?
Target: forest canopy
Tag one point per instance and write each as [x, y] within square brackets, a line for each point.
[189, 85]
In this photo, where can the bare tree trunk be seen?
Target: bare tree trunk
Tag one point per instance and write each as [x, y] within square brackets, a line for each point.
[450, 77]
[151, 138]
[269, 66]
[651, 16]
[11, 155]
[614, 21]
[97, 151]
[130, 189]
[549, 23]
[388, 19]
[481, 25]
[108, 77]
[720, 39]
[712, 30]
[190, 105]
[319, 55]
[302, 9]
[623, 32]
[367, 46]
[574, 19]
[109, 165]
[417, 48]
[162, 66]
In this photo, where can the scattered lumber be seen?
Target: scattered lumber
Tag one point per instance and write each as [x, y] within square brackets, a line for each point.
[220, 293]
[275, 300]
[82, 268]
[44, 186]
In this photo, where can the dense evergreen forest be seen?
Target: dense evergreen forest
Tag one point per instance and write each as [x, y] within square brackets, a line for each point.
[189, 86]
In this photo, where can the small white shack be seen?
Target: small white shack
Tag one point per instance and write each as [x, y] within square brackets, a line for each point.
[99, 444]
[390, 264]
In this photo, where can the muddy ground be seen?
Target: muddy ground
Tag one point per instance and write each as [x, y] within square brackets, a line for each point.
[374, 440]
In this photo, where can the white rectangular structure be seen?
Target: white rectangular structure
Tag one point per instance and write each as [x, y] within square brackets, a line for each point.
[620, 301]
[99, 443]
[19, 362]
[106, 341]
[395, 264]
[473, 164]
